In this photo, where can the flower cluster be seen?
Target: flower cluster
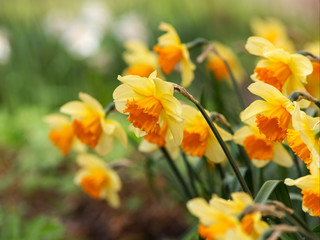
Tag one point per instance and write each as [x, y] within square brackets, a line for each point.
[270, 126]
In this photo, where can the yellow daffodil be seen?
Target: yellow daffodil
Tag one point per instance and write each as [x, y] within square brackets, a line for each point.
[286, 72]
[220, 216]
[310, 186]
[216, 65]
[273, 116]
[314, 78]
[98, 180]
[90, 125]
[163, 138]
[150, 104]
[62, 134]
[273, 30]
[260, 149]
[141, 61]
[171, 52]
[198, 139]
[304, 138]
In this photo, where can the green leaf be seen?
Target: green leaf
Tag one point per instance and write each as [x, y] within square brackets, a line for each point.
[277, 187]
[316, 228]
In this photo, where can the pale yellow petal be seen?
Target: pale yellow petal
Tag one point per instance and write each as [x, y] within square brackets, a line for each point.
[172, 107]
[108, 126]
[187, 68]
[257, 45]
[281, 155]
[241, 134]
[223, 133]
[259, 163]
[277, 55]
[104, 145]
[122, 94]
[162, 87]
[57, 121]
[93, 103]
[267, 92]
[214, 151]
[147, 147]
[304, 183]
[254, 108]
[201, 209]
[75, 108]
[141, 85]
[300, 65]
[89, 160]
[169, 38]
[121, 135]
[242, 198]
[176, 128]
[189, 113]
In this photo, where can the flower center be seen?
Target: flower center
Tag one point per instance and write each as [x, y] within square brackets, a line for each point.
[218, 67]
[88, 130]
[62, 138]
[158, 138]
[298, 146]
[258, 147]
[93, 183]
[274, 124]
[144, 114]
[142, 70]
[274, 74]
[311, 200]
[195, 140]
[219, 228]
[247, 224]
[168, 57]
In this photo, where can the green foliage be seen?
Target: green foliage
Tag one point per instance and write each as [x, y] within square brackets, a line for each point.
[14, 227]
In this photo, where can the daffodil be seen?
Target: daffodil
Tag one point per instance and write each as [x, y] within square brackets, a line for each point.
[62, 134]
[97, 179]
[198, 139]
[171, 52]
[150, 104]
[314, 78]
[304, 138]
[91, 127]
[272, 116]
[310, 186]
[286, 72]
[260, 149]
[273, 30]
[141, 61]
[219, 216]
[217, 66]
[153, 141]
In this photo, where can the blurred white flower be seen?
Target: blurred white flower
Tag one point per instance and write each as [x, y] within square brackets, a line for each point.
[4, 47]
[82, 34]
[130, 27]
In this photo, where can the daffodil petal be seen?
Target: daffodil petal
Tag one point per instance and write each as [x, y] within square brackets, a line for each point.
[215, 152]
[201, 209]
[141, 85]
[75, 108]
[104, 145]
[254, 108]
[257, 45]
[93, 103]
[123, 93]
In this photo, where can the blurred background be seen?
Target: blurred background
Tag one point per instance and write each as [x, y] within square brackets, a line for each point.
[50, 50]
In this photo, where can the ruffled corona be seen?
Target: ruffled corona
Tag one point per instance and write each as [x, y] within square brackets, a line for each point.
[97, 180]
[298, 146]
[258, 147]
[144, 114]
[198, 140]
[272, 116]
[171, 52]
[90, 127]
[286, 72]
[150, 103]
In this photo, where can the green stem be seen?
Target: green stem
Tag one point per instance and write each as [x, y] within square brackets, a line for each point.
[196, 42]
[176, 172]
[109, 108]
[296, 163]
[233, 79]
[225, 149]
[190, 173]
[209, 175]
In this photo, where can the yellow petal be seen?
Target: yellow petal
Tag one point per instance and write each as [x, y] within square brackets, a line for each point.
[141, 85]
[259, 163]
[277, 55]
[147, 147]
[57, 120]
[75, 108]
[281, 156]
[300, 65]
[93, 103]
[241, 134]
[176, 129]
[242, 197]
[169, 38]
[187, 68]
[201, 209]
[257, 45]
[304, 183]
[214, 151]
[254, 108]
[122, 94]
[162, 87]
[104, 145]
[267, 92]
[86, 160]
